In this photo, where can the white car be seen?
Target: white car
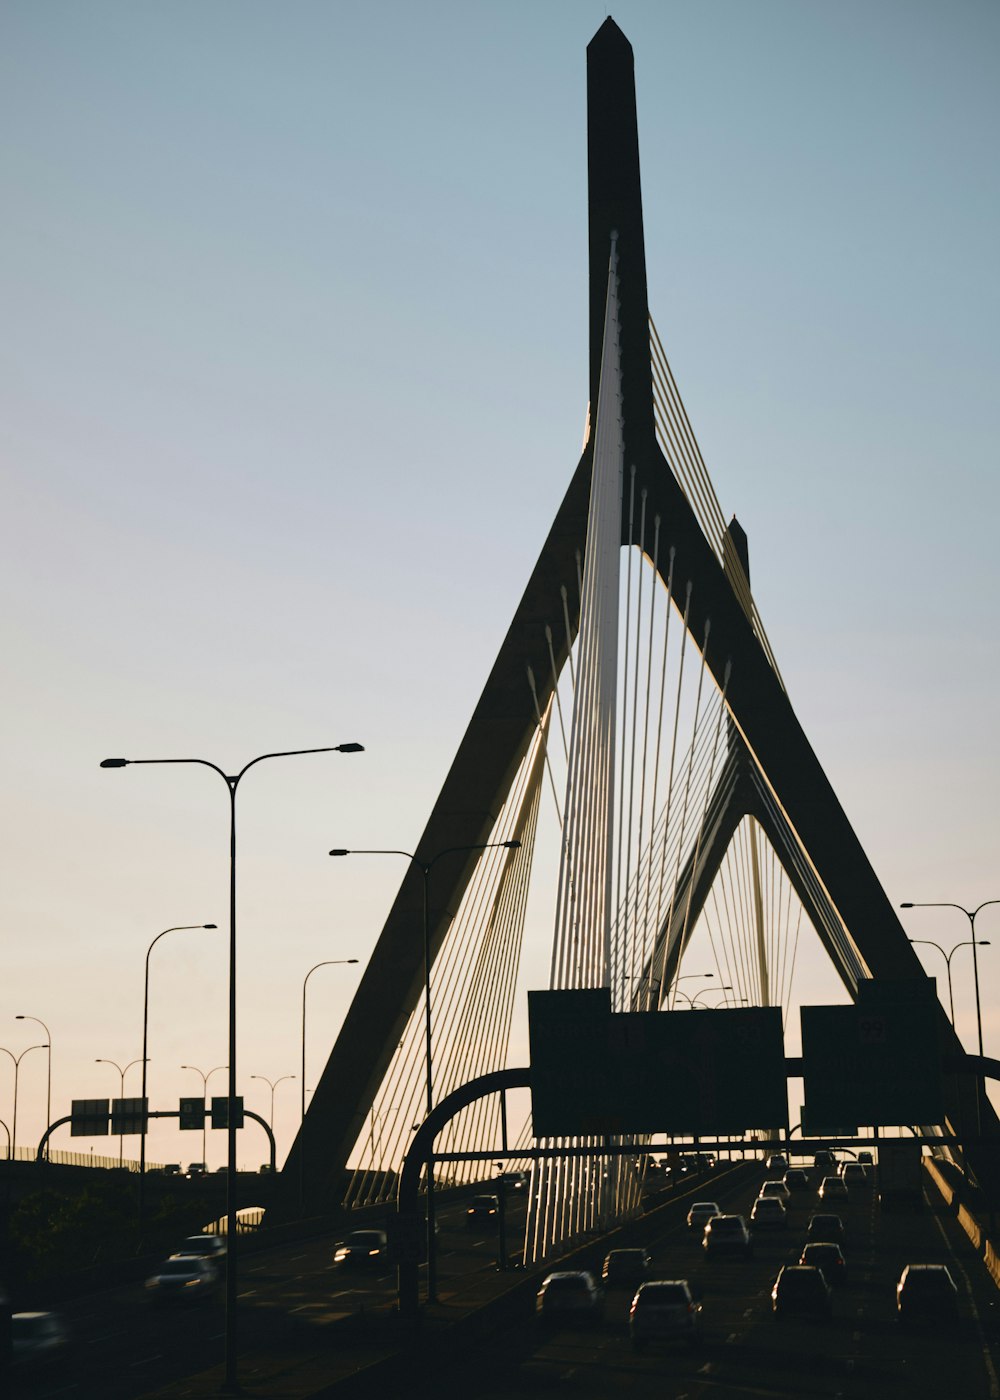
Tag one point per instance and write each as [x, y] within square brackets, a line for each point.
[701, 1213]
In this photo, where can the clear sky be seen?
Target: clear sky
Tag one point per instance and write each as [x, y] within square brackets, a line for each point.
[294, 374]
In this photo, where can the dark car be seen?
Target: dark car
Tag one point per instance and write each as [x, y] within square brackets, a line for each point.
[796, 1180]
[482, 1210]
[38, 1342]
[800, 1290]
[211, 1247]
[727, 1234]
[626, 1268]
[826, 1227]
[825, 1158]
[927, 1293]
[570, 1296]
[829, 1257]
[661, 1310]
[183, 1278]
[362, 1249]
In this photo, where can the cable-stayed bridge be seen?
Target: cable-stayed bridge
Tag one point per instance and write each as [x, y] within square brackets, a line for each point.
[637, 703]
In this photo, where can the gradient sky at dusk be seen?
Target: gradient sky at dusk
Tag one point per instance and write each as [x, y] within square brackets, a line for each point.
[294, 377]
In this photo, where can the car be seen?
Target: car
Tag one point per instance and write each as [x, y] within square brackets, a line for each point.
[202, 1247]
[825, 1158]
[796, 1179]
[514, 1181]
[662, 1309]
[701, 1213]
[171, 1169]
[768, 1213]
[826, 1227]
[195, 1171]
[482, 1210]
[778, 1189]
[832, 1188]
[777, 1162]
[866, 1159]
[854, 1174]
[727, 1234]
[626, 1268]
[800, 1290]
[362, 1249]
[569, 1295]
[38, 1342]
[825, 1255]
[927, 1293]
[184, 1278]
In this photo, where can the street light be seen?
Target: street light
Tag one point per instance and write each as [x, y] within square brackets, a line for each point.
[273, 1085]
[48, 1094]
[967, 943]
[121, 1136]
[204, 1095]
[17, 1061]
[177, 928]
[425, 868]
[970, 914]
[230, 1383]
[710, 991]
[329, 962]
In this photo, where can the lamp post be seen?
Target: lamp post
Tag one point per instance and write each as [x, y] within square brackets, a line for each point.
[329, 962]
[121, 1136]
[273, 1083]
[970, 914]
[967, 943]
[425, 867]
[177, 928]
[230, 1383]
[710, 991]
[204, 1095]
[17, 1063]
[48, 1092]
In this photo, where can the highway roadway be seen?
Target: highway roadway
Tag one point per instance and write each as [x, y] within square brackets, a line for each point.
[862, 1353]
[126, 1347]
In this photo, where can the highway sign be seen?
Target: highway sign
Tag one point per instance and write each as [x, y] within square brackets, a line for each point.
[220, 1111]
[192, 1115]
[89, 1118]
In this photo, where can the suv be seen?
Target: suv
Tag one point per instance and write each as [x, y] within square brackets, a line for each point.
[777, 1162]
[195, 1171]
[701, 1213]
[801, 1289]
[796, 1179]
[665, 1308]
[727, 1234]
[927, 1292]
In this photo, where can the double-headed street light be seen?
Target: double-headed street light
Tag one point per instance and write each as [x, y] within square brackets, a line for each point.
[966, 943]
[48, 1093]
[122, 1072]
[17, 1064]
[232, 782]
[425, 867]
[204, 1095]
[272, 1084]
[970, 914]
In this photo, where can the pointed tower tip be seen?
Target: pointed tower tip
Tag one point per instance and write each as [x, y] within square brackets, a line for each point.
[608, 36]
